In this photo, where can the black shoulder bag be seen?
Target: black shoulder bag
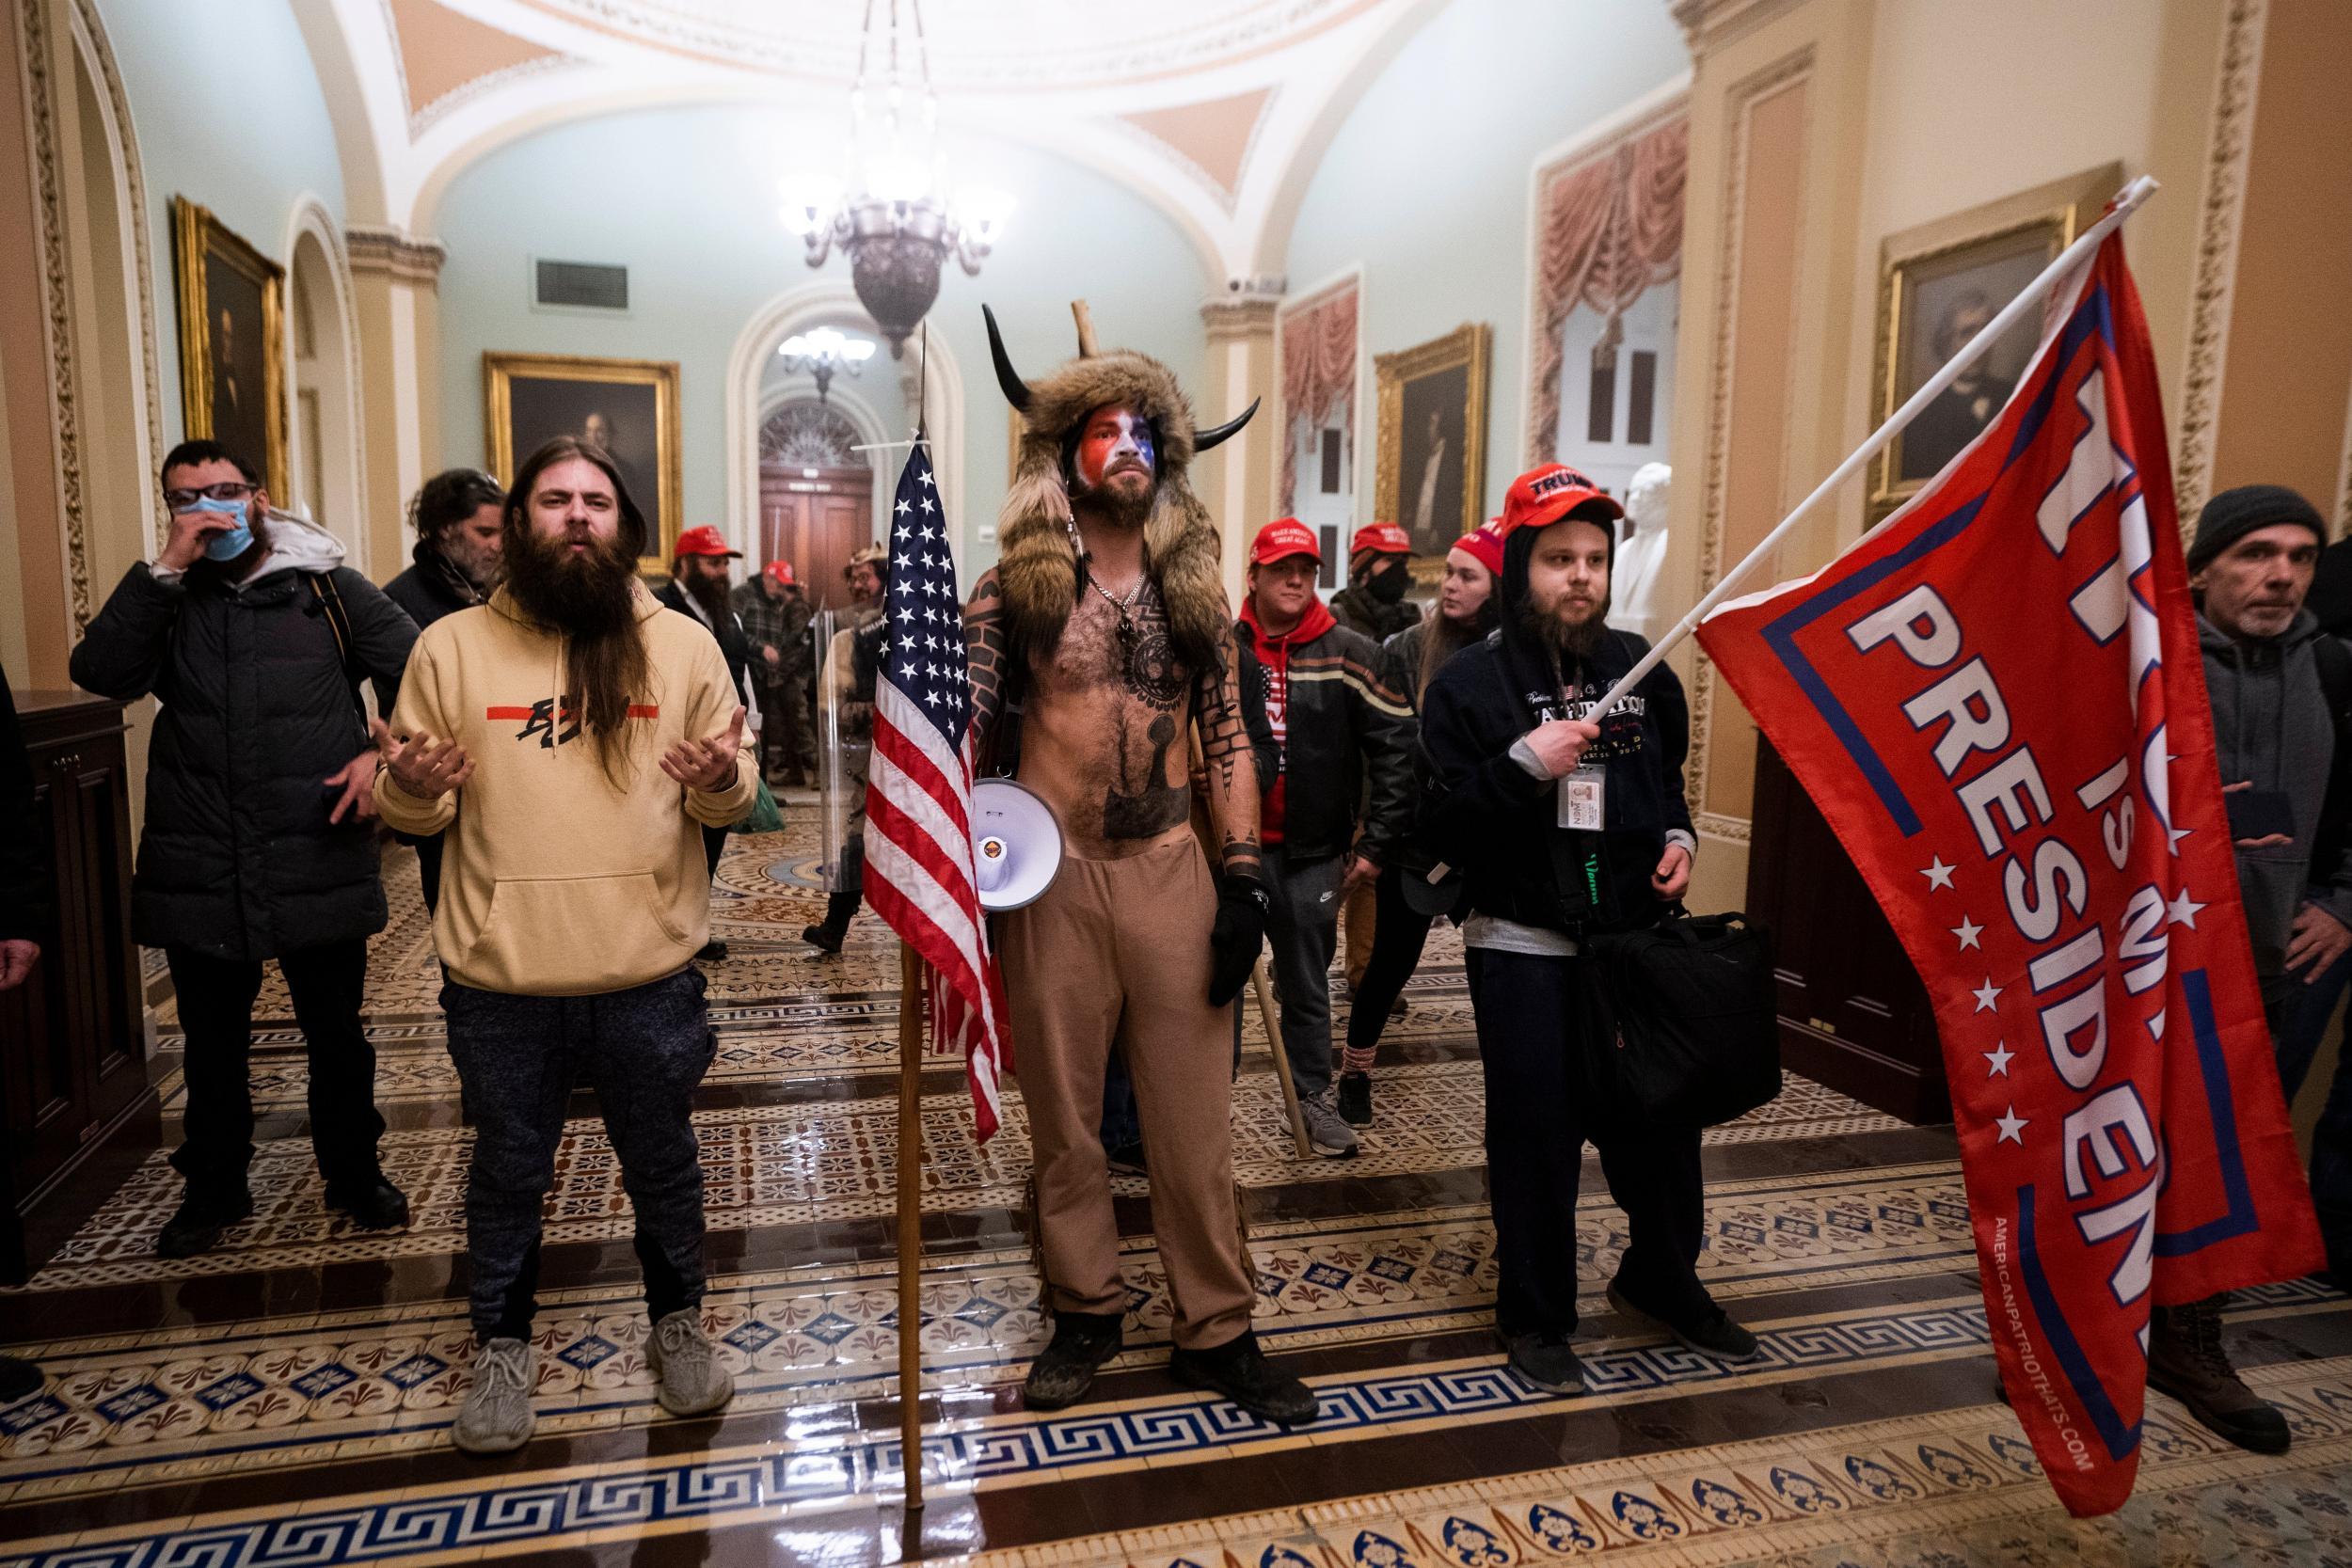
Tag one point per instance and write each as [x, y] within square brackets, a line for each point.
[1680, 1029]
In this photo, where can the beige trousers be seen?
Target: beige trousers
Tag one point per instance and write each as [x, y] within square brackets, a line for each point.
[1116, 953]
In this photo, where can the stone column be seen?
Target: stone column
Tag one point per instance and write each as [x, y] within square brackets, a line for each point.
[1236, 481]
[395, 288]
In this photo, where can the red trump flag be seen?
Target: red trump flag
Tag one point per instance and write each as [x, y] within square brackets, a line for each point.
[1996, 699]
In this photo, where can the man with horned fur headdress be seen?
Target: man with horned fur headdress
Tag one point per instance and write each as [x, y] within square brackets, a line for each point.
[1101, 645]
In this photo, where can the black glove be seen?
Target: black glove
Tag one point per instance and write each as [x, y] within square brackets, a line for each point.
[1234, 939]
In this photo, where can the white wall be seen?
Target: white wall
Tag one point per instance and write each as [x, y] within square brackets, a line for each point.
[694, 222]
[229, 114]
[1426, 181]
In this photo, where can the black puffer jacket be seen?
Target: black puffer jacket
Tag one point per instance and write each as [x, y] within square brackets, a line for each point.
[237, 859]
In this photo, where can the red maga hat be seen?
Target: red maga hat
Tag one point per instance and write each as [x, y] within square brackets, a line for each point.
[782, 571]
[1282, 538]
[704, 541]
[1542, 496]
[1380, 539]
[1486, 544]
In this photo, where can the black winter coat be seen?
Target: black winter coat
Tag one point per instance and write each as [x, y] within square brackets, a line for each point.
[1483, 813]
[425, 591]
[732, 640]
[237, 859]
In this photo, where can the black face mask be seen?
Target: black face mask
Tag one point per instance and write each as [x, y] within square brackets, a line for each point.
[1388, 584]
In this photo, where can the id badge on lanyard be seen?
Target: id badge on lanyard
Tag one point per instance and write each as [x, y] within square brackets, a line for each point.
[1583, 799]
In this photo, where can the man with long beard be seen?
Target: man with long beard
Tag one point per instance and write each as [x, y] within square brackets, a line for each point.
[571, 738]
[1105, 633]
[1563, 830]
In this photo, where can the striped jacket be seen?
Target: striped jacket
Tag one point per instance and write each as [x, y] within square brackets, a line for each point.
[1347, 742]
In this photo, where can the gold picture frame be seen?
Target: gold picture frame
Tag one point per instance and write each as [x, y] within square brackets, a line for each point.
[529, 399]
[231, 304]
[1933, 281]
[1426, 394]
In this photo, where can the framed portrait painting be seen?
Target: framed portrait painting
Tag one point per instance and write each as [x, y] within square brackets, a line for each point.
[629, 407]
[1432, 476]
[231, 302]
[1938, 285]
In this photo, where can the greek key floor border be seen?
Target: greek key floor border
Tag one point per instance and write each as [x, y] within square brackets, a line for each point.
[769, 1481]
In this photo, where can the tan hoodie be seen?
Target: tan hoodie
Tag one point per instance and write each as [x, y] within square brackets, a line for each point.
[554, 882]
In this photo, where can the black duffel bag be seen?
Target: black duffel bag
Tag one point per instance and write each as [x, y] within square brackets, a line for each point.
[1682, 1030]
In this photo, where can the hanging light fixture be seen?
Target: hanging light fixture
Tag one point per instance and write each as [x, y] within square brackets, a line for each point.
[892, 212]
[823, 352]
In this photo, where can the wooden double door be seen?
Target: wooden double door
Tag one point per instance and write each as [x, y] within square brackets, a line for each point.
[816, 518]
[1853, 1014]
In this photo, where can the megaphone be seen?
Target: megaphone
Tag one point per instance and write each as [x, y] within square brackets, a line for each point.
[1016, 844]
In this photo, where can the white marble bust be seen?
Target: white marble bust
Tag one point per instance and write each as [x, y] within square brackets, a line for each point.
[1642, 554]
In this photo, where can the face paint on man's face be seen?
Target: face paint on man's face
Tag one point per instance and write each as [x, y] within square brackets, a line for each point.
[1114, 438]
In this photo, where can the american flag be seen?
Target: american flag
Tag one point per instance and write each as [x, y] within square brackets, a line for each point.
[918, 791]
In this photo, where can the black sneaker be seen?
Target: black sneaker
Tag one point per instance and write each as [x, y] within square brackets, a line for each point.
[1240, 1372]
[1546, 1360]
[1127, 1159]
[823, 941]
[1709, 1332]
[1065, 1369]
[19, 1380]
[712, 952]
[1356, 1098]
[195, 1226]
[373, 1203]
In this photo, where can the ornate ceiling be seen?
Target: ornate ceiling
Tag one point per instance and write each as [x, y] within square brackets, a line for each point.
[1214, 110]
[975, 45]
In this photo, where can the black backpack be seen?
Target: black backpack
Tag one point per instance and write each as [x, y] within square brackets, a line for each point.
[1680, 1028]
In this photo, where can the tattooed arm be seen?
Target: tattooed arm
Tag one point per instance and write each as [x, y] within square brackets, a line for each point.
[987, 650]
[1225, 749]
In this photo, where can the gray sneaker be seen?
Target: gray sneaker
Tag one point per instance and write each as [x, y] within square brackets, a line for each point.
[1326, 1130]
[694, 1382]
[497, 1418]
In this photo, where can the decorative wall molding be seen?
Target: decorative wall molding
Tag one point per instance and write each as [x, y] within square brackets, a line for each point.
[1244, 315]
[806, 433]
[90, 33]
[377, 251]
[2344, 477]
[1714, 824]
[2231, 142]
[309, 216]
[57, 315]
[1708, 25]
[1741, 102]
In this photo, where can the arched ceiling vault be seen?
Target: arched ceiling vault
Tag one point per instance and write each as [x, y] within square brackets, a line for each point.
[1215, 119]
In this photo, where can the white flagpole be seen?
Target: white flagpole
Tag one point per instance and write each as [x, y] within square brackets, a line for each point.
[2132, 194]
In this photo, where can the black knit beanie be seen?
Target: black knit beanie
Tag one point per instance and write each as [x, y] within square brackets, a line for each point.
[2235, 514]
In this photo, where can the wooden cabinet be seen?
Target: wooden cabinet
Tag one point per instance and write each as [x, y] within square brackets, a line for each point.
[72, 1037]
[1853, 1014]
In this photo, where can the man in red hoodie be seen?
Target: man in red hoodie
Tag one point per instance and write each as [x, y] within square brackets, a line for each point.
[1337, 728]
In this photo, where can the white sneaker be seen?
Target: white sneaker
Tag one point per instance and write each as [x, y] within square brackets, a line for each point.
[497, 1418]
[1326, 1130]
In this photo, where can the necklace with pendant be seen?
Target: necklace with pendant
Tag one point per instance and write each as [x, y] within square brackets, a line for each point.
[1125, 605]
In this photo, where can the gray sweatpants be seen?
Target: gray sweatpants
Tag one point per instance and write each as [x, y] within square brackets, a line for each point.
[642, 1050]
[1302, 930]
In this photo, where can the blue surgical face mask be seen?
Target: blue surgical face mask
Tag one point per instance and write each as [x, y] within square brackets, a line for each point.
[229, 545]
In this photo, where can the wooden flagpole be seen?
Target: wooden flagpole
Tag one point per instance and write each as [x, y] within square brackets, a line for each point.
[911, 1231]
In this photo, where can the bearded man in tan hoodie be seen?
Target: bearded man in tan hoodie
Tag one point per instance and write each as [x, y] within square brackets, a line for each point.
[572, 740]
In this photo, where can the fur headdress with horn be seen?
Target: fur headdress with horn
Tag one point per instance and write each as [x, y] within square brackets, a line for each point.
[1038, 568]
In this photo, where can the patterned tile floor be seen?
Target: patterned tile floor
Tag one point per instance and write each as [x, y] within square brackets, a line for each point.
[286, 1400]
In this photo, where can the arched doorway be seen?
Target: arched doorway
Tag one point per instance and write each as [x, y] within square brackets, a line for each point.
[324, 451]
[816, 494]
